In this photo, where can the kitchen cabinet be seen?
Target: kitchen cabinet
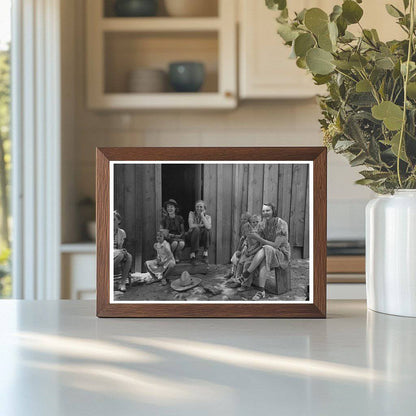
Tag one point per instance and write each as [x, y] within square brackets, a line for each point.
[265, 70]
[78, 263]
[118, 45]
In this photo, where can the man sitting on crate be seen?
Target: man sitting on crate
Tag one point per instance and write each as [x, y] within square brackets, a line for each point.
[122, 259]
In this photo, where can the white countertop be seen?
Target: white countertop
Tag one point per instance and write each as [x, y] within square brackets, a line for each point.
[58, 359]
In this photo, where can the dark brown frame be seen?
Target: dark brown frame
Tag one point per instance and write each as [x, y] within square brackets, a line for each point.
[224, 310]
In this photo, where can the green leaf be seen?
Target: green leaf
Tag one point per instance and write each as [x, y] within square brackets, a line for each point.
[321, 79]
[333, 32]
[393, 11]
[347, 37]
[283, 17]
[276, 4]
[385, 63]
[391, 114]
[382, 88]
[301, 63]
[342, 25]
[343, 145]
[336, 12]
[358, 160]
[300, 17]
[363, 86]
[351, 11]
[396, 71]
[325, 43]
[343, 65]
[316, 20]
[412, 67]
[375, 175]
[374, 150]
[358, 61]
[375, 35]
[361, 99]
[377, 74]
[303, 43]
[353, 130]
[411, 90]
[406, 4]
[286, 32]
[394, 144]
[319, 61]
[364, 181]
[368, 36]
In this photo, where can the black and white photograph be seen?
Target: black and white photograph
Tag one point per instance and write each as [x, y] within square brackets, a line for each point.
[210, 232]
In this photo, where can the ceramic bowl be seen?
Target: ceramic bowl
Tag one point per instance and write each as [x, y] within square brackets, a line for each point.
[186, 76]
[147, 80]
[135, 8]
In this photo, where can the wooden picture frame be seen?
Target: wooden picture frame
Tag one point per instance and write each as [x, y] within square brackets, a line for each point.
[315, 212]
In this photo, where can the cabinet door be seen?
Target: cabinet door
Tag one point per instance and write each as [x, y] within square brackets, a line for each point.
[265, 68]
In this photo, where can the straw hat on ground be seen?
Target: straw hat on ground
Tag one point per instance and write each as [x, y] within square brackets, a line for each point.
[185, 282]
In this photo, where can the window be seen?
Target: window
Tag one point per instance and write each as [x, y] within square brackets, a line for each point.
[5, 145]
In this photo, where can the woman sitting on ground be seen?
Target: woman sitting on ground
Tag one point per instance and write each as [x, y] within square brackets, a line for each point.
[199, 230]
[273, 237]
[174, 228]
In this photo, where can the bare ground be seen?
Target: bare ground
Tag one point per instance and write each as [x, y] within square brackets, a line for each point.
[212, 288]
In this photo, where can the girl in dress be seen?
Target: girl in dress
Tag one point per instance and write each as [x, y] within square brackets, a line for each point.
[164, 262]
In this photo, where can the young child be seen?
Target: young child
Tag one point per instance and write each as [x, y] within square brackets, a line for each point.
[251, 246]
[247, 247]
[164, 262]
[121, 256]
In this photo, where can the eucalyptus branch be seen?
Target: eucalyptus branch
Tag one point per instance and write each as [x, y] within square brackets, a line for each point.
[392, 90]
[406, 79]
[373, 89]
[397, 95]
[370, 64]
[345, 75]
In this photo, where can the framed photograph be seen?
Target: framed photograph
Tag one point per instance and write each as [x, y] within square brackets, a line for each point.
[211, 232]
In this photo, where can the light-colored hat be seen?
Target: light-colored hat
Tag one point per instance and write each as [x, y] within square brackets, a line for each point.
[185, 282]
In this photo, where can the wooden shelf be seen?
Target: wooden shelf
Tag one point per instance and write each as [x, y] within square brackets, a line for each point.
[159, 24]
[163, 101]
[346, 264]
[80, 247]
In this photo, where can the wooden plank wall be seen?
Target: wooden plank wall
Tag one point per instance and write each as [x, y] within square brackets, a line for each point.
[137, 197]
[231, 190]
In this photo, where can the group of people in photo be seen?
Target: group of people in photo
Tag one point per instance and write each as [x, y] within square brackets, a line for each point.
[263, 243]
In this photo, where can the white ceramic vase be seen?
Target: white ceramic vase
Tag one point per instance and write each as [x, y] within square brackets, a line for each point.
[391, 253]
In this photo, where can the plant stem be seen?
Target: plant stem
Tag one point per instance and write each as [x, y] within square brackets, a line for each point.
[406, 79]
[345, 75]
[373, 90]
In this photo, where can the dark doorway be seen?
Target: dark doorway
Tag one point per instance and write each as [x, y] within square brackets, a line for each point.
[182, 182]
